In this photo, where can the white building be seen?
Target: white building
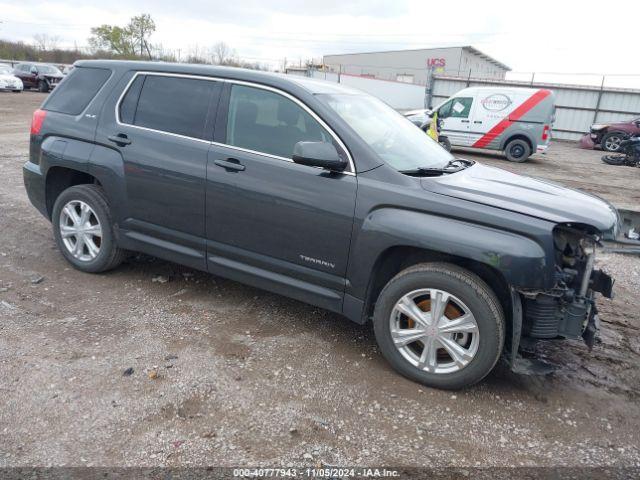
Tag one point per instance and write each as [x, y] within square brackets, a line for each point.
[412, 66]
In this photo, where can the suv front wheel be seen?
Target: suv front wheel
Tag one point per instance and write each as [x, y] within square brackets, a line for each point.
[440, 325]
[83, 229]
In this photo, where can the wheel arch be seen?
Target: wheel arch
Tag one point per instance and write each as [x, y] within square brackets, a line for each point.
[519, 136]
[393, 260]
[58, 179]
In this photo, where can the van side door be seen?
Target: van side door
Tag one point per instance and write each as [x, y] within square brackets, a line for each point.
[273, 223]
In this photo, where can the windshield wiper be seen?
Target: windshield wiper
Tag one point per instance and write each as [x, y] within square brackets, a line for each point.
[452, 166]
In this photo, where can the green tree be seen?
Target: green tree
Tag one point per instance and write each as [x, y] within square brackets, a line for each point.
[129, 41]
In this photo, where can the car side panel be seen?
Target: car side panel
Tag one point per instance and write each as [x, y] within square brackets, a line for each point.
[442, 224]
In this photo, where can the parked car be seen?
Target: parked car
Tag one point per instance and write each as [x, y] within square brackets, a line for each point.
[514, 120]
[8, 81]
[609, 135]
[38, 75]
[321, 193]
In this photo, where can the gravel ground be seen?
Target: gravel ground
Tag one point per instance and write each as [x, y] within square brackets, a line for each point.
[223, 374]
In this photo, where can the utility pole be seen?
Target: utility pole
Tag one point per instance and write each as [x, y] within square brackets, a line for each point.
[597, 110]
[428, 89]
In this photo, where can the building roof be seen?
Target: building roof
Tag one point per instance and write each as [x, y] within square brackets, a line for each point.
[468, 48]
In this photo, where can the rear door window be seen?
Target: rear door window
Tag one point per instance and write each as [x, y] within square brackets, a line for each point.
[76, 92]
[171, 104]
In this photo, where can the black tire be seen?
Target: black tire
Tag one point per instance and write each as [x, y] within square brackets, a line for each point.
[610, 142]
[616, 160]
[446, 144]
[43, 86]
[110, 255]
[17, 91]
[471, 290]
[517, 150]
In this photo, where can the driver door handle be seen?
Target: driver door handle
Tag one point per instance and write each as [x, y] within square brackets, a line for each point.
[465, 121]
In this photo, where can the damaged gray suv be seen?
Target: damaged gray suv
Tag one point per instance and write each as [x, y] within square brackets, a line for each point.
[323, 194]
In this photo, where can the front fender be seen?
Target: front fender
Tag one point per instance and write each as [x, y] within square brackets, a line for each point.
[521, 260]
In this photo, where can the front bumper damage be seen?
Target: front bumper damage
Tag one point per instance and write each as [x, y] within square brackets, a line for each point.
[557, 314]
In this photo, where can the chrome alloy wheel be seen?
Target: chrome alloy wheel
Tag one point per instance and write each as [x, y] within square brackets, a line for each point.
[80, 230]
[612, 143]
[434, 331]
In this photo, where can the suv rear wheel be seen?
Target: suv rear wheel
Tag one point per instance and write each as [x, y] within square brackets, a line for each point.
[440, 325]
[83, 229]
[43, 86]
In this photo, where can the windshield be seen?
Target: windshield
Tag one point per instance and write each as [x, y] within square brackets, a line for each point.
[397, 141]
[48, 69]
[5, 70]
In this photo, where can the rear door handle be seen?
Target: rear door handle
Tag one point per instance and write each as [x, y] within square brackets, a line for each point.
[465, 121]
[119, 139]
[230, 164]
[477, 121]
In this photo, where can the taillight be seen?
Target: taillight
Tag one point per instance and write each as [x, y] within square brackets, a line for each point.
[545, 132]
[36, 121]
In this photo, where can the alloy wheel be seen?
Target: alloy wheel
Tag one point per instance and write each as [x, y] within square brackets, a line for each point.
[612, 144]
[80, 230]
[434, 331]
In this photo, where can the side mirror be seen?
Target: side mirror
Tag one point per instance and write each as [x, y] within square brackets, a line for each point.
[318, 154]
[429, 113]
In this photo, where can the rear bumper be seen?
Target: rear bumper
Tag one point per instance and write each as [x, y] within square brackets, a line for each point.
[542, 148]
[34, 184]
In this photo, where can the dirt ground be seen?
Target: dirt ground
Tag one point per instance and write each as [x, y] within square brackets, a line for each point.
[245, 377]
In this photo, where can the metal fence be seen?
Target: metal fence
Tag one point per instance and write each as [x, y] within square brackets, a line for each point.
[577, 106]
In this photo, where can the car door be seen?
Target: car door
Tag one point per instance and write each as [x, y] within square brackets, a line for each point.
[455, 120]
[23, 72]
[163, 127]
[271, 222]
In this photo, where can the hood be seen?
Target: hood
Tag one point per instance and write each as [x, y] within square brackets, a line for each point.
[8, 77]
[536, 198]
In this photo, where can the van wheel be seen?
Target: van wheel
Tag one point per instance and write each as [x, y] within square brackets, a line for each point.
[517, 150]
[43, 86]
[83, 229]
[440, 325]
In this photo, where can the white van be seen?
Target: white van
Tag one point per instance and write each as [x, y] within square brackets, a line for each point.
[514, 120]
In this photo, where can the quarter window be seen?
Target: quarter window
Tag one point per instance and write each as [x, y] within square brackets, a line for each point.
[267, 122]
[78, 89]
[171, 104]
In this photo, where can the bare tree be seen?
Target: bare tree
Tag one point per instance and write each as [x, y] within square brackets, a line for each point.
[44, 42]
[222, 54]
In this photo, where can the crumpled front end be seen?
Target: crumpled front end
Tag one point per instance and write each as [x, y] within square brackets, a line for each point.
[568, 310]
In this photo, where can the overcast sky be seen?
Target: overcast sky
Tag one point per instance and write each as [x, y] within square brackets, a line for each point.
[531, 36]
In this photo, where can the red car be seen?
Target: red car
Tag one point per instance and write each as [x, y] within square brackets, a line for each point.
[609, 135]
[38, 75]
